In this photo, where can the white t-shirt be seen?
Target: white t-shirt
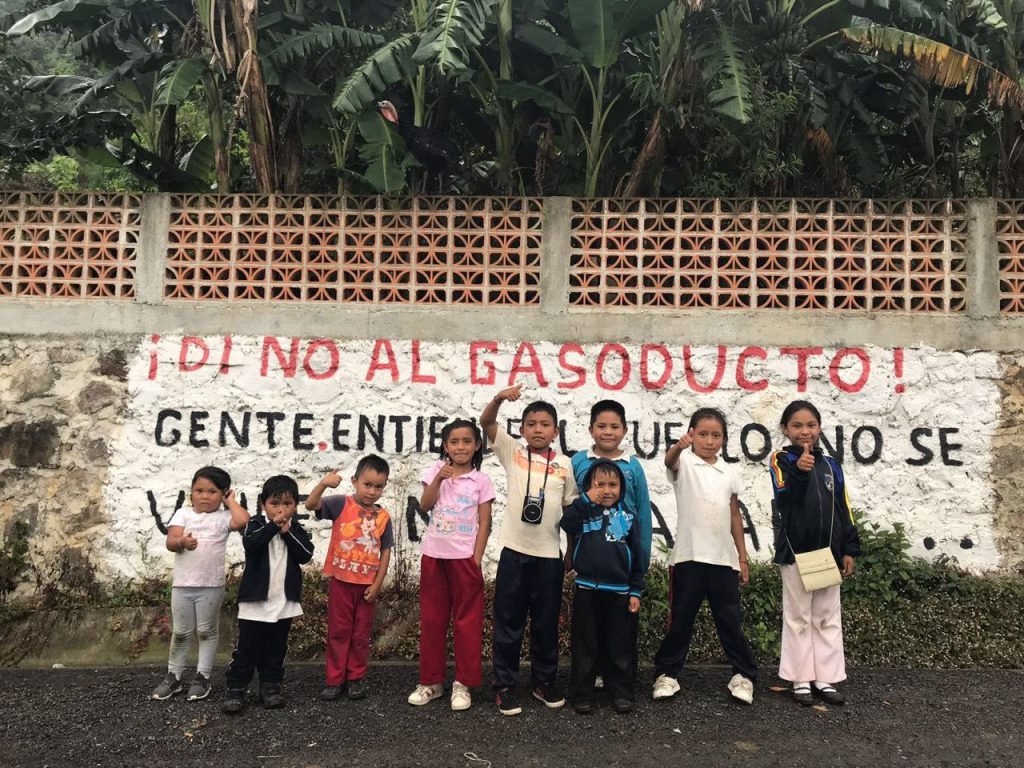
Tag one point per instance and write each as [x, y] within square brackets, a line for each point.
[542, 539]
[204, 565]
[276, 606]
[704, 526]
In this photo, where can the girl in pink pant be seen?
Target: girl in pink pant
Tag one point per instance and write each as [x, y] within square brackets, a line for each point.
[812, 512]
[458, 496]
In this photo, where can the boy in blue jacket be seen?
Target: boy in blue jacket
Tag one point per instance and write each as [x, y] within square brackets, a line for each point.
[609, 580]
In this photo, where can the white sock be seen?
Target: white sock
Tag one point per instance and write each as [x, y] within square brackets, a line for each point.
[822, 686]
[801, 686]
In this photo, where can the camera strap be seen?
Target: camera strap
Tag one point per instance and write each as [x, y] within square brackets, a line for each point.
[529, 472]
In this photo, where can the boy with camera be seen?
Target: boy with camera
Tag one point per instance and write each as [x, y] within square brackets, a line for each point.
[529, 578]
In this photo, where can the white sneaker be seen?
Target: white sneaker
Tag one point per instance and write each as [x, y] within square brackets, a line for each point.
[665, 687]
[461, 698]
[742, 689]
[424, 694]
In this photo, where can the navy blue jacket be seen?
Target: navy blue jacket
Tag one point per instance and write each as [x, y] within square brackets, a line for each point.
[607, 555]
[255, 583]
[807, 505]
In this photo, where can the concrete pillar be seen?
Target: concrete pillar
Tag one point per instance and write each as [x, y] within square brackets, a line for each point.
[982, 260]
[554, 255]
[152, 253]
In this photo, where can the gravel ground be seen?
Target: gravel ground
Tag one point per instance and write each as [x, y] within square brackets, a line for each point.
[102, 717]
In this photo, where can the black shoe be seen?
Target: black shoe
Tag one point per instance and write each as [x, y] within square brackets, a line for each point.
[234, 701]
[508, 701]
[549, 694]
[358, 689]
[622, 706]
[829, 695]
[584, 707]
[270, 695]
[803, 697]
[331, 692]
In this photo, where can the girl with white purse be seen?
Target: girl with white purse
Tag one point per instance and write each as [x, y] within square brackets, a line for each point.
[816, 542]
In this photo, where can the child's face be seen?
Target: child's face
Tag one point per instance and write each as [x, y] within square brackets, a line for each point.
[802, 429]
[539, 430]
[280, 507]
[708, 437]
[605, 488]
[206, 497]
[369, 486]
[607, 431]
[461, 445]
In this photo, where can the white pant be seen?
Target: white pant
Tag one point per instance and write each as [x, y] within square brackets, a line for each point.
[194, 611]
[812, 632]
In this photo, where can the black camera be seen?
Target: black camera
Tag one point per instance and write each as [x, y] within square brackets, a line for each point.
[533, 509]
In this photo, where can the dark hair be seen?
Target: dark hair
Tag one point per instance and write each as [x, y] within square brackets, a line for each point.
[607, 406]
[279, 485]
[478, 455]
[709, 413]
[539, 406]
[799, 405]
[215, 475]
[603, 467]
[373, 462]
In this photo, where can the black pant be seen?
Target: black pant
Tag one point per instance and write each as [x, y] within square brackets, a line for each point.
[691, 583]
[526, 585]
[261, 646]
[602, 630]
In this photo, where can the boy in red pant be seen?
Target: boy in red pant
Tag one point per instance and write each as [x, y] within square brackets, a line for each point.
[357, 561]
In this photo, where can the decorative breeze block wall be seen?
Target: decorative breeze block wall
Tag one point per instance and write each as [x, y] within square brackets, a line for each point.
[868, 255]
[1010, 240]
[68, 246]
[428, 250]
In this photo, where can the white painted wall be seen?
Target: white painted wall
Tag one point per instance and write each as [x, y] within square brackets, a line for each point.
[945, 503]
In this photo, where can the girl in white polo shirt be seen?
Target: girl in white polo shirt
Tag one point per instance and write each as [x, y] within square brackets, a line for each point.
[710, 556]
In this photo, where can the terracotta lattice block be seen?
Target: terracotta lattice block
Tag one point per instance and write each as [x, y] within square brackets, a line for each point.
[1010, 239]
[867, 255]
[427, 250]
[70, 246]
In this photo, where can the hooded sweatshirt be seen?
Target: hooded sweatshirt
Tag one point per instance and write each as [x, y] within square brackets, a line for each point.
[607, 554]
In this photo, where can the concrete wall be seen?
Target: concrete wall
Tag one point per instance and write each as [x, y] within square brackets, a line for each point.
[109, 406]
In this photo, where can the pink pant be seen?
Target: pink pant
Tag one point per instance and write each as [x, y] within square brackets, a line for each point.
[450, 589]
[812, 632]
[349, 621]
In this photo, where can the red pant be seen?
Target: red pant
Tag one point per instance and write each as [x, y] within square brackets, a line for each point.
[450, 588]
[349, 621]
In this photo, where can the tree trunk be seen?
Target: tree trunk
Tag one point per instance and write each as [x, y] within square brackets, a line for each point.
[254, 97]
[290, 153]
[648, 163]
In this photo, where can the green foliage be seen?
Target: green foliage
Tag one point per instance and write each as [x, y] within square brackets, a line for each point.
[456, 29]
[13, 558]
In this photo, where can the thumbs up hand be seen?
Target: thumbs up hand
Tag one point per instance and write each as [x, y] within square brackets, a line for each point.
[806, 460]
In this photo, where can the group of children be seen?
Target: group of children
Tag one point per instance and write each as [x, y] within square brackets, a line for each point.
[599, 499]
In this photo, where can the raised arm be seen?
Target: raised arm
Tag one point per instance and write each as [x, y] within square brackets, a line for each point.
[673, 453]
[239, 514]
[330, 480]
[489, 416]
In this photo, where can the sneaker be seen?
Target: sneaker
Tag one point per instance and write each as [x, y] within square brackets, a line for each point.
[622, 706]
[200, 688]
[331, 692]
[584, 707]
[742, 689]
[665, 687]
[270, 695]
[169, 686]
[424, 694]
[599, 683]
[358, 689]
[234, 701]
[549, 694]
[507, 701]
[461, 697]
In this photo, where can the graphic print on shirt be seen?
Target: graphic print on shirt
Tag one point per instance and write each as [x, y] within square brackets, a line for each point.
[357, 539]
